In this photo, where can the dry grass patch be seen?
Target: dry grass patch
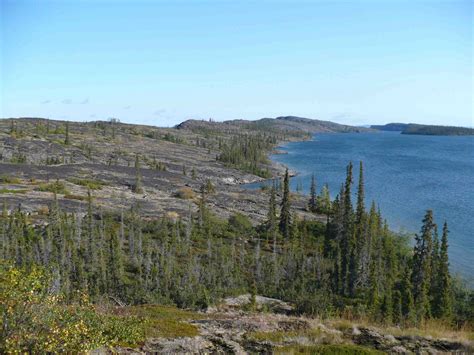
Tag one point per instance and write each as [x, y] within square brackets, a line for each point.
[186, 193]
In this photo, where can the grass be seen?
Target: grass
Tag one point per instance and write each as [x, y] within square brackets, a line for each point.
[333, 349]
[13, 191]
[437, 329]
[75, 197]
[186, 193]
[6, 179]
[434, 328]
[313, 335]
[89, 183]
[56, 187]
[161, 321]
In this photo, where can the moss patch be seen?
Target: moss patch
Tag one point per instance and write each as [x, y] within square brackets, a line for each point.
[5, 179]
[13, 191]
[162, 321]
[341, 349]
[89, 183]
[56, 187]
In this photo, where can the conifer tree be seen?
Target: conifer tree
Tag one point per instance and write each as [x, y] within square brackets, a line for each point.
[272, 214]
[324, 201]
[285, 214]
[138, 187]
[347, 243]
[397, 307]
[360, 209]
[408, 307]
[312, 195]
[421, 276]
[66, 139]
[444, 294]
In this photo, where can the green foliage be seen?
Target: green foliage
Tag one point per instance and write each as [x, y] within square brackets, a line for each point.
[92, 184]
[13, 191]
[56, 187]
[240, 224]
[333, 349]
[437, 130]
[353, 266]
[248, 153]
[6, 179]
[285, 213]
[138, 185]
[162, 321]
[18, 158]
[34, 321]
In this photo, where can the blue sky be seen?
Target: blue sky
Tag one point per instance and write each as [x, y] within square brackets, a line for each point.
[157, 62]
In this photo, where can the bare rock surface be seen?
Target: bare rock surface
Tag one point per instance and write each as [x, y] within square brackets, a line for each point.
[171, 159]
[230, 330]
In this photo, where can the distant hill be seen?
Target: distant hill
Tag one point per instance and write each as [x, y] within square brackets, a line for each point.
[397, 127]
[430, 130]
[282, 124]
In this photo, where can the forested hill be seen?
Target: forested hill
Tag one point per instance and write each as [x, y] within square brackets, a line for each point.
[282, 124]
[430, 130]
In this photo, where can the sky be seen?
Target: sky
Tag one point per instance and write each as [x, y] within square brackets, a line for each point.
[161, 62]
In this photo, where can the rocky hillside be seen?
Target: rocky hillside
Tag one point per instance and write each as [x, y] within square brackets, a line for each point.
[291, 125]
[174, 164]
[238, 326]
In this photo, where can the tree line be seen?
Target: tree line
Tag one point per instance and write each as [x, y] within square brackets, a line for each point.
[353, 265]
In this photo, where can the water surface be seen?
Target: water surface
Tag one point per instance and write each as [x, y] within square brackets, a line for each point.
[404, 174]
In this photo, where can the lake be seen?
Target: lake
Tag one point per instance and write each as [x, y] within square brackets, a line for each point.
[404, 174]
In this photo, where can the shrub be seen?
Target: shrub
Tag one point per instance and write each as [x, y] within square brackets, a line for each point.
[35, 321]
[56, 187]
[75, 197]
[185, 193]
[240, 223]
[89, 183]
[6, 179]
[13, 191]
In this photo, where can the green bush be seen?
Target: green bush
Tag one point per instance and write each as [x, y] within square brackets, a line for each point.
[89, 183]
[36, 321]
[6, 179]
[240, 223]
[57, 187]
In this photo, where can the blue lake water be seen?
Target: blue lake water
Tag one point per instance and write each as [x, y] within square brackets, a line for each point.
[404, 174]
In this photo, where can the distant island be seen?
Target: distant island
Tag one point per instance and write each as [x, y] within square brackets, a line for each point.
[430, 130]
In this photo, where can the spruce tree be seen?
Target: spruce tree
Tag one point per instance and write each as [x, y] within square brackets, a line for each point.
[408, 307]
[285, 214]
[66, 139]
[421, 275]
[312, 195]
[271, 216]
[347, 244]
[397, 307]
[138, 187]
[444, 294]
[360, 209]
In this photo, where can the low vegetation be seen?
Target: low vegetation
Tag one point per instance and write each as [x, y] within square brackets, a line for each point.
[92, 184]
[6, 179]
[13, 191]
[185, 193]
[57, 187]
[62, 274]
[332, 349]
